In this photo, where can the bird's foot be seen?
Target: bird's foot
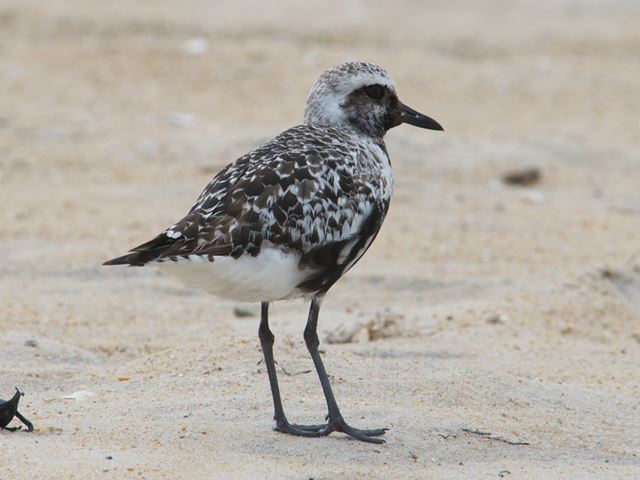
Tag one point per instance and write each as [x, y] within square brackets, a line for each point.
[321, 430]
[300, 430]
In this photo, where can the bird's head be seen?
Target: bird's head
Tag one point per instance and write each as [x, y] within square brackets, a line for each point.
[362, 97]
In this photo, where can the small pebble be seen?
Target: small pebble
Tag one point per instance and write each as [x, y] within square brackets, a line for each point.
[243, 312]
[499, 319]
[525, 177]
[196, 46]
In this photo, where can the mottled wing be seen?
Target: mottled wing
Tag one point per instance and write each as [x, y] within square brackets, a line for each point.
[182, 237]
[307, 191]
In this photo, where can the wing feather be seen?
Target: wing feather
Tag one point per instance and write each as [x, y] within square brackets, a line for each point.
[306, 190]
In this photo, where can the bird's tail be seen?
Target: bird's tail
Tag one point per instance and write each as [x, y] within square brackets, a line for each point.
[145, 253]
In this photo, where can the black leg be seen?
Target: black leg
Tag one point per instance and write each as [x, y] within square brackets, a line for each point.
[336, 422]
[266, 342]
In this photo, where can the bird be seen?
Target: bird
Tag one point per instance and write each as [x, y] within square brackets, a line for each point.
[288, 219]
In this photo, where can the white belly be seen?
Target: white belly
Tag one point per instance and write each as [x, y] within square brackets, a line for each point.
[269, 276]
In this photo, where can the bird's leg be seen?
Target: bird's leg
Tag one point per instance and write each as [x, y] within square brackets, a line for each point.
[336, 422]
[266, 341]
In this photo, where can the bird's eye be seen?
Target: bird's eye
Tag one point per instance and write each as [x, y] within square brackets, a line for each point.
[374, 92]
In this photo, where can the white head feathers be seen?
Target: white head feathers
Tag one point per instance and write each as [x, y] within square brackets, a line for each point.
[330, 91]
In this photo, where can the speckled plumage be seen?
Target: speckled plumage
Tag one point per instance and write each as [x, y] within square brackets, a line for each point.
[317, 191]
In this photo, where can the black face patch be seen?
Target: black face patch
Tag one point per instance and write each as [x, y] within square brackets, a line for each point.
[374, 92]
[372, 109]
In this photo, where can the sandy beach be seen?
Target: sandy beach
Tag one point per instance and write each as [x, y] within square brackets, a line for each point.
[493, 327]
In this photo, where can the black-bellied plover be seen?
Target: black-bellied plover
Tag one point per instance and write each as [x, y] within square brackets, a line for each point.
[289, 218]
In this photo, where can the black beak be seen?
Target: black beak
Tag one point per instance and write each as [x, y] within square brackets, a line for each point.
[417, 119]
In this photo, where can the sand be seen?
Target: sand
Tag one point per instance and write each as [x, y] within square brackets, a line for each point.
[510, 314]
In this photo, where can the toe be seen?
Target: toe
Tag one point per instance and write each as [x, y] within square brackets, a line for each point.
[302, 432]
[376, 432]
[311, 428]
[363, 435]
